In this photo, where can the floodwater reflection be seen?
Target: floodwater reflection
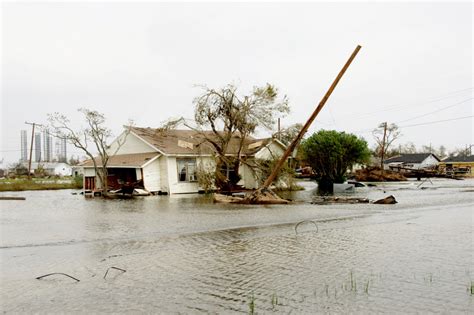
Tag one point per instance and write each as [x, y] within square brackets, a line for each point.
[188, 255]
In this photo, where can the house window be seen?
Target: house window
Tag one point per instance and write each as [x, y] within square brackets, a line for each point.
[186, 170]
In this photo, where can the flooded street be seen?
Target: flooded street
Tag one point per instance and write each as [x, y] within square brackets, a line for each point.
[184, 254]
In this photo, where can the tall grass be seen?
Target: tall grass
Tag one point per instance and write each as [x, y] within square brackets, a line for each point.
[40, 184]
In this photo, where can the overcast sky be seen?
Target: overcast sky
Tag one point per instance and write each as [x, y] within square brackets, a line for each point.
[143, 62]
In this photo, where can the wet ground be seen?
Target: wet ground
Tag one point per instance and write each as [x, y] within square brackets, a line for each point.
[184, 254]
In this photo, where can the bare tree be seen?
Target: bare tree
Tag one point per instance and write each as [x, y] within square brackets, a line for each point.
[228, 114]
[384, 136]
[91, 138]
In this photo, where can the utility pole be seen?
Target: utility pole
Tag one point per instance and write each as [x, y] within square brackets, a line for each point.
[303, 130]
[383, 147]
[279, 131]
[31, 146]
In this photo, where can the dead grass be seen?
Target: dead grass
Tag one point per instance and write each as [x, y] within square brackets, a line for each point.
[39, 184]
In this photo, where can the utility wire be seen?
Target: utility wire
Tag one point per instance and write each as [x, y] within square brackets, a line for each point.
[436, 111]
[397, 107]
[420, 124]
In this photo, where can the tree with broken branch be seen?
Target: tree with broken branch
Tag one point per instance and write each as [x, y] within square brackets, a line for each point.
[227, 114]
[91, 138]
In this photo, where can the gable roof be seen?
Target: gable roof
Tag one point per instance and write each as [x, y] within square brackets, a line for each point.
[410, 158]
[469, 158]
[190, 142]
[125, 160]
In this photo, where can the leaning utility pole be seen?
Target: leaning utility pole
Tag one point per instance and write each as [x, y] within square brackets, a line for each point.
[31, 146]
[382, 155]
[303, 130]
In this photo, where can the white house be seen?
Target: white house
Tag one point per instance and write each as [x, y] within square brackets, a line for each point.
[412, 161]
[167, 161]
[51, 168]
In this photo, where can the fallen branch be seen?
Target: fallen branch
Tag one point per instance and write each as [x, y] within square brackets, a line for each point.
[57, 273]
[123, 270]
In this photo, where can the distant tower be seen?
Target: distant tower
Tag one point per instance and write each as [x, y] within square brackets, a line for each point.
[63, 155]
[48, 146]
[38, 147]
[24, 146]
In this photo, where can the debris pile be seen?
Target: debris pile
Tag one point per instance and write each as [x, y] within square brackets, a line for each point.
[375, 174]
[260, 196]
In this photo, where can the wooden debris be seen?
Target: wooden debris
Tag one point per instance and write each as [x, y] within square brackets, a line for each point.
[11, 198]
[333, 199]
[390, 200]
[375, 174]
[116, 268]
[262, 197]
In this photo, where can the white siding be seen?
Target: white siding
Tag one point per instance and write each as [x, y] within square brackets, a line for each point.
[151, 176]
[163, 169]
[132, 145]
[249, 180]
[269, 152]
[89, 171]
[429, 161]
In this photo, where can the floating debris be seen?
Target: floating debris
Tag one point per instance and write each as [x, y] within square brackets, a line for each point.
[305, 221]
[333, 199]
[11, 198]
[116, 268]
[57, 273]
[390, 200]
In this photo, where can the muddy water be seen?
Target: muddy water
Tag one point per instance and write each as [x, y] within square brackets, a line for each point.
[187, 255]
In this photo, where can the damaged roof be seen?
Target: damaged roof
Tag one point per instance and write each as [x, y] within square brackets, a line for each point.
[190, 142]
[124, 160]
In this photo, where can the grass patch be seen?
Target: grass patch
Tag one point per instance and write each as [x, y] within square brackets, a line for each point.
[40, 184]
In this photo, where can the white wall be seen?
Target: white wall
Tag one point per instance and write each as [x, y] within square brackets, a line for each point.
[269, 152]
[132, 145]
[151, 176]
[63, 169]
[429, 161]
[249, 179]
[163, 169]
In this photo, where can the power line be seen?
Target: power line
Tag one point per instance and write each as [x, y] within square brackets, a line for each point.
[397, 107]
[420, 124]
[437, 121]
[438, 110]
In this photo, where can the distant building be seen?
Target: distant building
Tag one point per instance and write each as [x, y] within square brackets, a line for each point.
[48, 146]
[52, 168]
[411, 161]
[458, 165]
[61, 153]
[24, 146]
[38, 147]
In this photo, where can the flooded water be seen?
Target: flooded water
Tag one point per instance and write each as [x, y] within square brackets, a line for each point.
[184, 254]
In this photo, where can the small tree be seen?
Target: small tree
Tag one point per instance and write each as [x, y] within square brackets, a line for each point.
[227, 114]
[331, 154]
[91, 138]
